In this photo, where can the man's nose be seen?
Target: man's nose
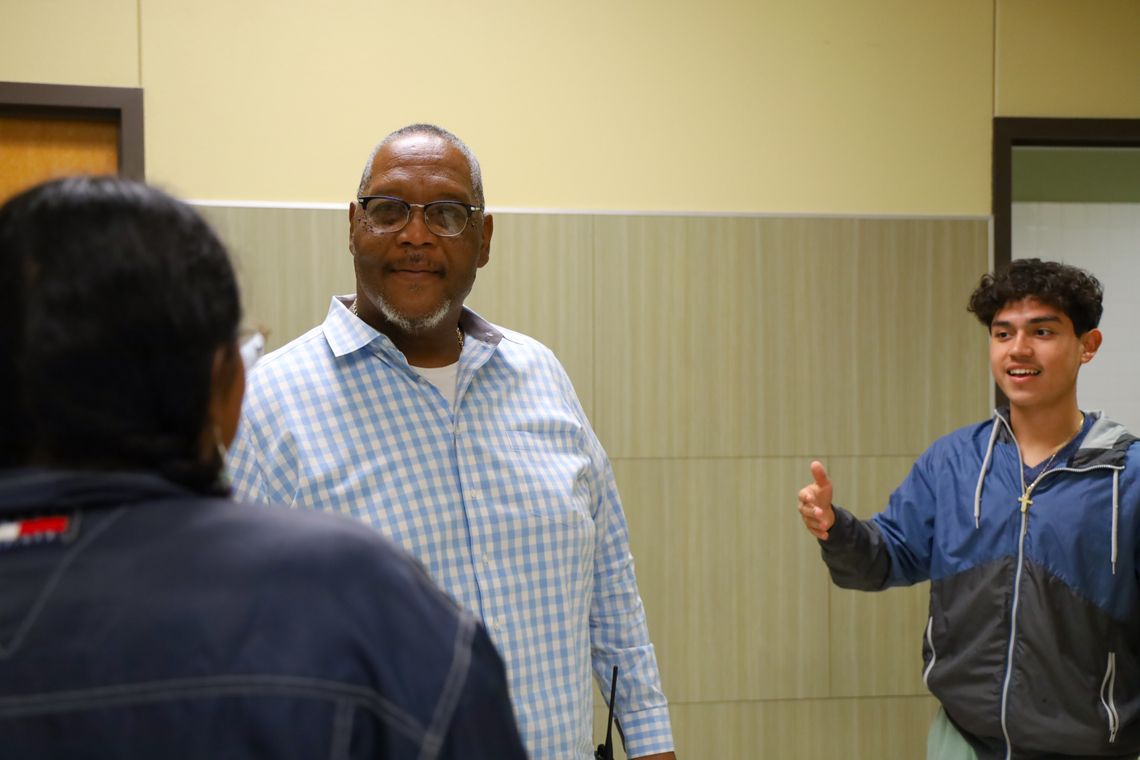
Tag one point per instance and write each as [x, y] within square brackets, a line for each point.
[416, 231]
[1021, 344]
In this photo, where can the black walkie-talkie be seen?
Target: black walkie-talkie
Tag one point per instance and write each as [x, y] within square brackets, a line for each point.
[606, 751]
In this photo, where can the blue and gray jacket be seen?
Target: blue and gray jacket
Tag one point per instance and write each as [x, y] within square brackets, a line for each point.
[1033, 641]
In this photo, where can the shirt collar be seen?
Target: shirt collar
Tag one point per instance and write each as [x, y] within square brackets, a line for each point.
[343, 331]
[346, 333]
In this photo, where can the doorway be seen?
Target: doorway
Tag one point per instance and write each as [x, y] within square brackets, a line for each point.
[48, 131]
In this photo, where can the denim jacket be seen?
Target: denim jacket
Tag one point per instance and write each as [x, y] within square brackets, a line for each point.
[142, 620]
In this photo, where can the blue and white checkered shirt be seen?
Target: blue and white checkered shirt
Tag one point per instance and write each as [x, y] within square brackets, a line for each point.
[506, 496]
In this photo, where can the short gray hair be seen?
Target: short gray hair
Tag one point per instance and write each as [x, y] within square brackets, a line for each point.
[440, 132]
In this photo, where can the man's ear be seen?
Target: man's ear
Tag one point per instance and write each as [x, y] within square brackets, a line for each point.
[1090, 344]
[352, 209]
[485, 248]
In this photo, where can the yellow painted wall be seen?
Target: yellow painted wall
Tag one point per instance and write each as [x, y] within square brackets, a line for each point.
[817, 106]
[1063, 58]
[812, 105]
[70, 42]
[881, 106]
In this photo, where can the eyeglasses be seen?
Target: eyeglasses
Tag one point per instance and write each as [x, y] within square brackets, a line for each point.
[384, 214]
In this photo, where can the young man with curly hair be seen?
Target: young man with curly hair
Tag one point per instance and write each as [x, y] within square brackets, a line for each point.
[1026, 526]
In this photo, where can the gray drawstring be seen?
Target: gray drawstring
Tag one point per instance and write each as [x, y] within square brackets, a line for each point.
[1115, 513]
[982, 475]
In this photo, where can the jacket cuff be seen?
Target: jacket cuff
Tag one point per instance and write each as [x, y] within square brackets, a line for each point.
[842, 533]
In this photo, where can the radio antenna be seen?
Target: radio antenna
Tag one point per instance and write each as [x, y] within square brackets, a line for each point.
[606, 751]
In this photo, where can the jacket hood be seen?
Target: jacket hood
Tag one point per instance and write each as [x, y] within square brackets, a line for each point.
[1106, 442]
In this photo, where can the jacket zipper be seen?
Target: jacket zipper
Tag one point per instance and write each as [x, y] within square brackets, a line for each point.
[1113, 719]
[1108, 685]
[1013, 633]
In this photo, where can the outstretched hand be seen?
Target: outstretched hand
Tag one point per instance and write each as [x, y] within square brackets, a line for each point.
[815, 503]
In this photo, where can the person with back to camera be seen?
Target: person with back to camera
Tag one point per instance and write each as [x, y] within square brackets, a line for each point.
[465, 443]
[143, 614]
[1026, 526]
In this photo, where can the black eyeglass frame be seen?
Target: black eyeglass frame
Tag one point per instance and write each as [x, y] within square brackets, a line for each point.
[363, 200]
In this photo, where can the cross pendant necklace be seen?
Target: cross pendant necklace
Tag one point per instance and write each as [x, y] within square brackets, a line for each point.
[1024, 498]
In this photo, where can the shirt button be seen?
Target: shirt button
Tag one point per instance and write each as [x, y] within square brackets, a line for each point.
[460, 428]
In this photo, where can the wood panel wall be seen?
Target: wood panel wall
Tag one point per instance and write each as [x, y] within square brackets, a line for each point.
[717, 356]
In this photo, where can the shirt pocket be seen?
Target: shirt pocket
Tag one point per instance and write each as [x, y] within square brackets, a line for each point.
[549, 476]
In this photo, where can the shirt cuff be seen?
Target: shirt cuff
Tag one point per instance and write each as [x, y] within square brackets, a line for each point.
[647, 732]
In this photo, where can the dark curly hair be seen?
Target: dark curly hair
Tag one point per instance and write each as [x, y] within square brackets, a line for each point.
[1074, 291]
[114, 299]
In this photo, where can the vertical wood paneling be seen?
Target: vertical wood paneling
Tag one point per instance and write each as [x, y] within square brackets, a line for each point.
[883, 729]
[811, 729]
[874, 639]
[540, 281]
[736, 597]
[289, 262]
[716, 357]
[772, 337]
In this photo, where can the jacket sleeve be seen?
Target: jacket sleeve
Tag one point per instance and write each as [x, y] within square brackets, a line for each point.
[855, 553]
[893, 548]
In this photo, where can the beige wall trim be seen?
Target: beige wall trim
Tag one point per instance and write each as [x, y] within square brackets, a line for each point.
[270, 204]
[606, 212]
[736, 214]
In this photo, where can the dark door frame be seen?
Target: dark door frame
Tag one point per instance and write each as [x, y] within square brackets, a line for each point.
[1014, 132]
[1011, 132]
[121, 105]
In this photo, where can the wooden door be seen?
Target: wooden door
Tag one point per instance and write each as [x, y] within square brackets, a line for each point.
[49, 130]
[36, 148]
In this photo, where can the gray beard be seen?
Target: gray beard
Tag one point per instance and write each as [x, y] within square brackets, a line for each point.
[414, 325]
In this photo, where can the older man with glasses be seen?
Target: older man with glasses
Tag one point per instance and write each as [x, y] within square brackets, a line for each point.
[465, 443]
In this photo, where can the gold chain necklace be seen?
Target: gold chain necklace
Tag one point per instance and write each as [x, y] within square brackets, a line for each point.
[1024, 498]
[458, 333]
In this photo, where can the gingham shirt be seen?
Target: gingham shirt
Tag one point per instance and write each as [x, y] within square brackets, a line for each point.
[506, 496]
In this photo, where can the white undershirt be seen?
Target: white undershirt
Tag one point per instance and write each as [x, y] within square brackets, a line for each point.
[442, 378]
[252, 350]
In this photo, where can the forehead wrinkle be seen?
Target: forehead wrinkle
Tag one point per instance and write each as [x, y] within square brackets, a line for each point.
[422, 172]
[416, 180]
